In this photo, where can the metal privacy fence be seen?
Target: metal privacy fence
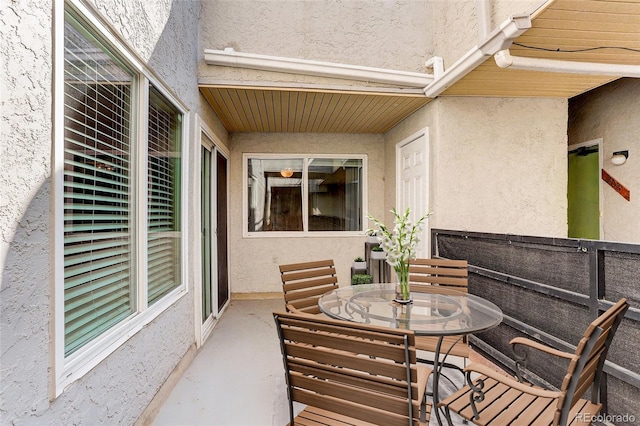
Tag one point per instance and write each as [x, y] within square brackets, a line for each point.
[549, 290]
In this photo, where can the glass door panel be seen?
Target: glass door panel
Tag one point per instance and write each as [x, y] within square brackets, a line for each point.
[206, 237]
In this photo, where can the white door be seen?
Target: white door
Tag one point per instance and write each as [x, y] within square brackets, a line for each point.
[412, 182]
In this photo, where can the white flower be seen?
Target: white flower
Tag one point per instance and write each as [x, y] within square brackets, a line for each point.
[399, 244]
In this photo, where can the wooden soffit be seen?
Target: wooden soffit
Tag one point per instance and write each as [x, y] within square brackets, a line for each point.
[307, 110]
[600, 31]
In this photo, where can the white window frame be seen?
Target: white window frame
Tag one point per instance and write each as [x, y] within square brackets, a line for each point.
[69, 369]
[305, 205]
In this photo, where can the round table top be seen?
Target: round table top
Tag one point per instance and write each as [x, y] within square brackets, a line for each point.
[431, 313]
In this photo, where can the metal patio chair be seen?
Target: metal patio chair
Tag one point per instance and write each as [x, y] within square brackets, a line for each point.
[448, 275]
[347, 373]
[304, 283]
[497, 399]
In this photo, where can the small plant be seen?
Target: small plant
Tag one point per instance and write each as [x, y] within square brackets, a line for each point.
[358, 259]
[377, 248]
[361, 279]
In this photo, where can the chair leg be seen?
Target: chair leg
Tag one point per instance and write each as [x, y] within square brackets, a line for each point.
[423, 408]
[447, 365]
[447, 415]
[426, 407]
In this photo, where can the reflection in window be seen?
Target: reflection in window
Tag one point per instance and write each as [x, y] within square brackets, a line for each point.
[275, 194]
[304, 194]
[335, 194]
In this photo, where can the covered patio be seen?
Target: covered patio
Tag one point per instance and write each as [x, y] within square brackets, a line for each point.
[138, 261]
[241, 361]
[237, 378]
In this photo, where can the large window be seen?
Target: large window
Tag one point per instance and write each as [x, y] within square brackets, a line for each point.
[120, 197]
[306, 194]
[163, 177]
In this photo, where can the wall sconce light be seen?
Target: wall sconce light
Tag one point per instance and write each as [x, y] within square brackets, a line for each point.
[619, 157]
[287, 172]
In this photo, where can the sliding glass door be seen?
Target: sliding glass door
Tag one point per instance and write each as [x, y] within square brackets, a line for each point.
[214, 290]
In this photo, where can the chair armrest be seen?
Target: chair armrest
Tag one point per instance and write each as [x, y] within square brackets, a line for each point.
[511, 382]
[294, 310]
[521, 356]
[291, 308]
[544, 348]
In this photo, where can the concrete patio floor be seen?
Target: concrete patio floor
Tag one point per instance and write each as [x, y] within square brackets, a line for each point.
[237, 377]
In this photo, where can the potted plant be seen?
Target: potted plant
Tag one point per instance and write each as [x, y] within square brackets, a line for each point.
[377, 253]
[361, 279]
[371, 236]
[359, 263]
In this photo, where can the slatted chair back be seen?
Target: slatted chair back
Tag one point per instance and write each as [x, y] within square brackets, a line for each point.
[447, 274]
[304, 283]
[343, 370]
[585, 369]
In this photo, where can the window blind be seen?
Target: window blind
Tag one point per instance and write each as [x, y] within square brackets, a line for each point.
[164, 182]
[97, 188]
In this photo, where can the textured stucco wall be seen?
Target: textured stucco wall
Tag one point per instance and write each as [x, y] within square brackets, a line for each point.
[392, 34]
[502, 9]
[497, 165]
[254, 261]
[387, 34]
[611, 113]
[25, 151]
[118, 389]
[455, 29]
[456, 26]
[500, 165]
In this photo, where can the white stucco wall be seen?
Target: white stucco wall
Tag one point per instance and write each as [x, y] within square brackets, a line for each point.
[497, 165]
[611, 113]
[118, 389]
[500, 165]
[502, 9]
[392, 34]
[254, 261]
[386, 34]
[457, 26]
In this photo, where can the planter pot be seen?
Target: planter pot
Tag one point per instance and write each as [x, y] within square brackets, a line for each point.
[360, 265]
[378, 255]
[372, 239]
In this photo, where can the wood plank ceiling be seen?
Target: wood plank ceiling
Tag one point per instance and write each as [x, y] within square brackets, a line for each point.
[605, 31]
[248, 109]
[600, 31]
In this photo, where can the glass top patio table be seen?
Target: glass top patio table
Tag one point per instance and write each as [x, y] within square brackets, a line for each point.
[432, 312]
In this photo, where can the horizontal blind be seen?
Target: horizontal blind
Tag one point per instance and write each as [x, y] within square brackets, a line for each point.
[164, 209]
[97, 188]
